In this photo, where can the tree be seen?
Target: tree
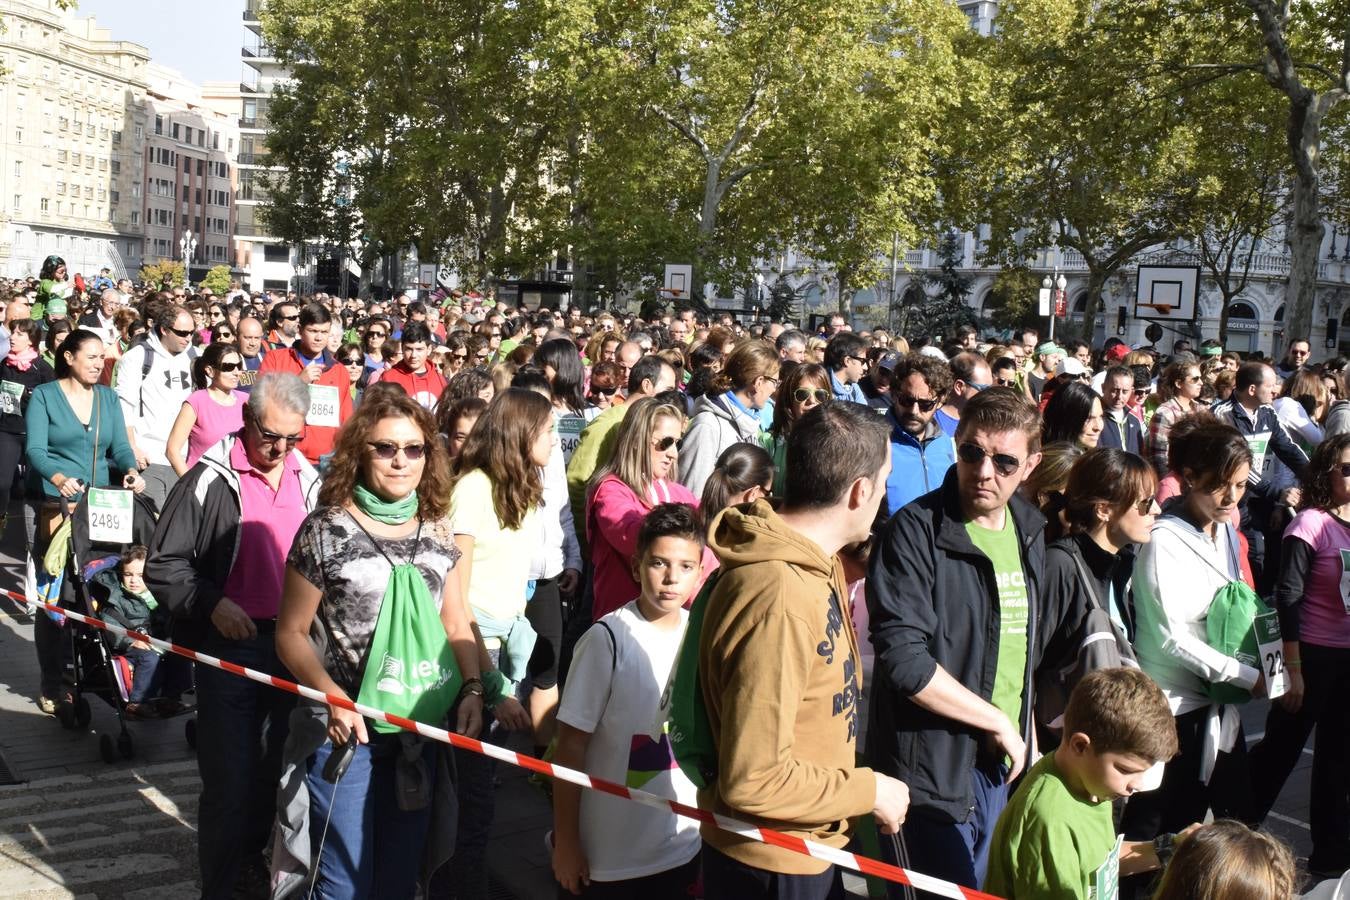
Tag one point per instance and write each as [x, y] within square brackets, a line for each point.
[1013, 298]
[718, 133]
[217, 280]
[1072, 151]
[784, 303]
[936, 301]
[165, 273]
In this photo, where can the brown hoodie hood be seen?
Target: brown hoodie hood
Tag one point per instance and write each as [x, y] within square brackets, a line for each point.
[781, 678]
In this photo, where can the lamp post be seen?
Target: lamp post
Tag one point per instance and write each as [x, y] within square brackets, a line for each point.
[759, 293]
[1058, 283]
[188, 244]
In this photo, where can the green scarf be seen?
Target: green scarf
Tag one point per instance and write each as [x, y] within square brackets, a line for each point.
[390, 512]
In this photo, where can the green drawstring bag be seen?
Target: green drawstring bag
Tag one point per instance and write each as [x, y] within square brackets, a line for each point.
[691, 738]
[410, 666]
[1230, 628]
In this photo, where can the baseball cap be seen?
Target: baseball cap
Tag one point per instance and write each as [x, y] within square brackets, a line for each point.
[1070, 365]
[888, 360]
[1118, 352]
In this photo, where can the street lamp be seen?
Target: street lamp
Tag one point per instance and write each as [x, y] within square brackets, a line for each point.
[188, 244]
[759, 292]
[1058, 282]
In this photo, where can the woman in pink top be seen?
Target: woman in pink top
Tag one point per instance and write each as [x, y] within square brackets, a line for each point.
[1312, 597]
[638, 477]
[211, 412]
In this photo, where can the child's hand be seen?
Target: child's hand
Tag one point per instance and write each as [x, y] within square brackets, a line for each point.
[140, 645]
[570, 866]
[511, 714]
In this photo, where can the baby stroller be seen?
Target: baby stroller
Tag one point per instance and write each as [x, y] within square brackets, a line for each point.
[99, 658]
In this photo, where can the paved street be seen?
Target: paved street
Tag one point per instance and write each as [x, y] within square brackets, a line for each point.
[77, 827]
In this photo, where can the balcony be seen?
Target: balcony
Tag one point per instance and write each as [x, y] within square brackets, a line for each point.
[247, 122]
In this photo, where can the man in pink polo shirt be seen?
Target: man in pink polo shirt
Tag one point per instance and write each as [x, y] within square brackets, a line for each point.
[217, 561]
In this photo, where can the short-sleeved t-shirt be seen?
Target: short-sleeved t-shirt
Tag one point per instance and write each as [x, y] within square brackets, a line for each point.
[614, 694]
[1010, 677]
[501, 556]
[333, 553]
[1048, 844]
[1323, 619]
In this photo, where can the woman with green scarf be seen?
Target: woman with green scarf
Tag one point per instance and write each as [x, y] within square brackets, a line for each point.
[373, 611]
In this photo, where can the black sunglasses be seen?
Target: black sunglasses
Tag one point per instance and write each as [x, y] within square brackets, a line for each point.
[379, 334]
[801, 395]
[1005, 382]
[184, 333]
[974, 454]
[604, 392]
[667, 442]
[290, 318]
[388, 450]
[905, 402]
[271, 437]
[353, 361]
[1343, 469]
[230, 367]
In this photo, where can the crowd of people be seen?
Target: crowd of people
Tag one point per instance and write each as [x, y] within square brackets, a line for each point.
[1059, 570]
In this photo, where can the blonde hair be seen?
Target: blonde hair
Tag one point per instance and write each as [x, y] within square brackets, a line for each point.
[815, 349]
[1228, 860]
[631, 462]
[749, 362]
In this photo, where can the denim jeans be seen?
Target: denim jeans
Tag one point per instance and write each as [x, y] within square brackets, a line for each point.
[372, 848]
[727, 879]
[241, 730]
[154, 676]
[958, 851]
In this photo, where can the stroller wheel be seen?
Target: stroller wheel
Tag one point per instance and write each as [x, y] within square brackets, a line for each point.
[190, 733]
[83, 714]
[124, 746]
[65, 714]
[107, 748]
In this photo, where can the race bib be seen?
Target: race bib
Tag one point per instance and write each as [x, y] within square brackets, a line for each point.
[109, 516]
[11, 398]
[569, 433]
[1258, 443]
[1106, 880]
[1271, 648]
[323, 406]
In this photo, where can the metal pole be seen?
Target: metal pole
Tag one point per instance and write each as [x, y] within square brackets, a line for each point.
[1054, 301]
[895, 274]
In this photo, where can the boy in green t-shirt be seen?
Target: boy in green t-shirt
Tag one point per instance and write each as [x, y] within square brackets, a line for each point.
[1056, 838]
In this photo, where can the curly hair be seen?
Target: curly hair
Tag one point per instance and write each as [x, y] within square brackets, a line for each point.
[351, 450]
[935, 373]
[1326, 459]
[500, 445]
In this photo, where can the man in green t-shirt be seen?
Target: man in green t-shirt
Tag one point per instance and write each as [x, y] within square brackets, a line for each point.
[952, 593]
[1056, 839]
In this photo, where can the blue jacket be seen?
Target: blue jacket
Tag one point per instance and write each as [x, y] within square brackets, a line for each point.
[1131, 441]
[851, 392]
[917, 466]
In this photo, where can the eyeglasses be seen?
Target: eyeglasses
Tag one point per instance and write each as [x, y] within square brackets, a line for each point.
[905, 402]
[1193, 379]
[230, 367]
[666, 443]
[858, 359]
[801, 395]
[388, 450]
[464, 355]
[272, 438]
[226, 336]
[184, 333]
[604, 392]
[377, 334]
[974, 454]
[354, 361]
[290, 318]
[769, 378]
[1147, 507]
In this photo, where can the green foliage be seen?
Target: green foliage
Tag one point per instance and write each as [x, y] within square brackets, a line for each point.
[785, 302]
[1013, 298]
[165, 273]
[217, 280]
[935, 303]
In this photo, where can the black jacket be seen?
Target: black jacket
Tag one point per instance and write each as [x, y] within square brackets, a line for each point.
[932, 601]
[38, 373]
[1127, 435]
[197, 540]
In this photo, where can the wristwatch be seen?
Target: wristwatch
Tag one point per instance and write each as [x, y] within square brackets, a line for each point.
[473, 687]
[1163, 845]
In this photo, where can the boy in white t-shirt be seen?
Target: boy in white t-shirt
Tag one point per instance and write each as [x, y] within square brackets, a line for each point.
[609, 725]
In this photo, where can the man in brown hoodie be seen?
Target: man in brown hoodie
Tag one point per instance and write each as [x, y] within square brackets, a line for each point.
[779, 665]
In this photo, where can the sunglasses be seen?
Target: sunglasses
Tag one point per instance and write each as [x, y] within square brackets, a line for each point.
[974, 454]
[1147, 507]
[1343, 470]
[604, 392]
[464, 355]
[378, 334]
[353, 361]
[293, 318]
[272, 438]
[388, 450]
[230, 367]
[860, 359]
[1005, 382]
[226, 335]
[184, 333]
[667, 442]
[905, 402]
[801, 395]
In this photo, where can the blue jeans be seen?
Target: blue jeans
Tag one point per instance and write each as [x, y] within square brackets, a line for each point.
[154, 676]
[952, 851]
[241, 730]
[372, 847]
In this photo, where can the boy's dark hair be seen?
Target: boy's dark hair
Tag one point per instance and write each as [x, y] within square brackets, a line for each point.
[415, 333]
[313, 314]
[1122, 711]
[828, 449]
[841, 347]
[132, 554]
[670, 520]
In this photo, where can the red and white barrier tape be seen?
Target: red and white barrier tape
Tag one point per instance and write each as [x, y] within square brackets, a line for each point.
[847, 860]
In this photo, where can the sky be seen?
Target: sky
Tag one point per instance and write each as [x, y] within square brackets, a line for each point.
[200, 38]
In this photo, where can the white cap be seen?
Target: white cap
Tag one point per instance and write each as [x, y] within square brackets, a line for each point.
[1070, 365]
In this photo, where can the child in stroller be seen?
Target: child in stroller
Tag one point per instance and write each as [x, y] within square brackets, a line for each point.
[157, 682]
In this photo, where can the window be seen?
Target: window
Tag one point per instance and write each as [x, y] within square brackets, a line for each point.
[18, 135]
[60, 189]
[61, 156]
[140, 133]
[18, 202]
[102, 164]
[276, 253]
[185, 193]
[187, 133]
[117, 137]
[18, 169]
[198, 196]
[136, 191]
[135, 218]
[201, 167]
[76, 159]
[176, 131]
[116, 167]
[114, 197]
[44, 204]
[201, 138]
[187, 165]
[159, 124]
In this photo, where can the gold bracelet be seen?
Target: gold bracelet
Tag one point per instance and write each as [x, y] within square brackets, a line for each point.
[1293, 663]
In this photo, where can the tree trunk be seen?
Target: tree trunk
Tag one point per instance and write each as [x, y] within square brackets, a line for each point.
[1227, 300]
[1306, 231]
[1096, 280]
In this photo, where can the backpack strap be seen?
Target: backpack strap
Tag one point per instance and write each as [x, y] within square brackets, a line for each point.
[147, 363]
[613, 646]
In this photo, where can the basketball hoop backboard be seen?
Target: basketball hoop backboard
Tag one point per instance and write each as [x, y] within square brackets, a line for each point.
[1167, 293]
